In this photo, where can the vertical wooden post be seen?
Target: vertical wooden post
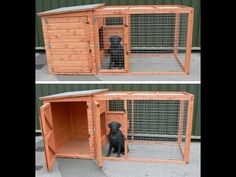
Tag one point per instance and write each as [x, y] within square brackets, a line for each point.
[126, 42]
[132, 119]
[181, 117]
[126, 129]
[96, 43]
[176, 42]
[189, 42]
[188, 130]
[98, 133]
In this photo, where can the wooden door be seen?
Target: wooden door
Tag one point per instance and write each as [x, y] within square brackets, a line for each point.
[67, 43]
[98, 134]
[48, 135]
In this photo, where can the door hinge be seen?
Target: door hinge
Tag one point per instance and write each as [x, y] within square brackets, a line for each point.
[90, 51]
[87, 22]
[126, 25]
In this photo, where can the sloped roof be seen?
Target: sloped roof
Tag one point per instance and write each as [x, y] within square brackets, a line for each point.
[71, 9]
[73, 94]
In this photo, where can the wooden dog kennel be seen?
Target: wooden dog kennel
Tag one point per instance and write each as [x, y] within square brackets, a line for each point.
[155, 39]
[157, 125]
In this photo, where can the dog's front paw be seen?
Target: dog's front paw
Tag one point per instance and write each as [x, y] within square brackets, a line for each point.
[118, 155]
[108, 155]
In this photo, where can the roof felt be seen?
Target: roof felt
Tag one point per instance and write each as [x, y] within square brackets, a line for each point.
[71, 9]
[73, 94]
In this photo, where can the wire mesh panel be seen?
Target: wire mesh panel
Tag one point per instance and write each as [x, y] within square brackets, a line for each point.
[111, 43]
[156, 129]
[158, 42]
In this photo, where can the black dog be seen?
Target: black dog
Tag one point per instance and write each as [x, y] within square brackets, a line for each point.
[116, 139]
[116, 53]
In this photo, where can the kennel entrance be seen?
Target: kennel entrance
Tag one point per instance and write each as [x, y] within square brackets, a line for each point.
[157, 128]
[113, 43]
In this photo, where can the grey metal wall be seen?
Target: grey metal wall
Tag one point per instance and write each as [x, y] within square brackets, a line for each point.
[47, 89]
[43, 5]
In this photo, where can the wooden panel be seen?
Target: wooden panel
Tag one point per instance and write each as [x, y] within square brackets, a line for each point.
[61, 122]
[70, 57]
[71, 63]
[69, 51]
[61, 39]
[70, 32]
[66, 20]
[117, 117]
[71, 70]
[48, 135]
[80, 121]
[64, 26]
[103, 106]
[79, 45]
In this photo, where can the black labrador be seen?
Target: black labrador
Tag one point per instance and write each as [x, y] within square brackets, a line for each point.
[116, 139]
[116, 52]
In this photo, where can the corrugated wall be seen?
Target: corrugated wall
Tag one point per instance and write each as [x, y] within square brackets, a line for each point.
[47, 89]
[43, 5]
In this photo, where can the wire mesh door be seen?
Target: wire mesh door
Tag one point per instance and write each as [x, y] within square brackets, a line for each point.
[113, 41]
[157, 130]
[158, 42]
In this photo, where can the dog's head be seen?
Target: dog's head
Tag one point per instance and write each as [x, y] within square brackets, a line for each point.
[114, 127]
[115, 39]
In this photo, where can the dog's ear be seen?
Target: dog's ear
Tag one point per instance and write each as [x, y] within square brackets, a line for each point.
[109, 125]
[119, 125]
[120, 38]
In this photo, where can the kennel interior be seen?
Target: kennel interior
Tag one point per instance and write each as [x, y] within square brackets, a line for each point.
[154, 39]
[157, 125]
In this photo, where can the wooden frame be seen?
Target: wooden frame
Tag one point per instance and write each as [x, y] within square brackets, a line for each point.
[67, 60]
[96, 104]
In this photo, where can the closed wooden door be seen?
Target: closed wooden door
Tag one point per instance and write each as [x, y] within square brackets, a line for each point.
[68, 44]
[48, 135]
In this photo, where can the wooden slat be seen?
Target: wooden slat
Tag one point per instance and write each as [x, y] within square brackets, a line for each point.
[69, 32]
[66, 39]
[66, 20]
[70, 69]
[69, 51]
[65, 26]
[70, 57]
[80, 45]
[189, 42]
[188, 130]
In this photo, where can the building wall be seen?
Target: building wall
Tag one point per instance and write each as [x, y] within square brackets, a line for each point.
[48, 89]
[44, 5]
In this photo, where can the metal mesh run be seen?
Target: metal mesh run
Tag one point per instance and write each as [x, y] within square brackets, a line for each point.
[157, 129]
[111, 39]
[158, 42]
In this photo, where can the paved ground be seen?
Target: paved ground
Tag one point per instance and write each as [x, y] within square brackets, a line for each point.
[88, 168]
[42, 74]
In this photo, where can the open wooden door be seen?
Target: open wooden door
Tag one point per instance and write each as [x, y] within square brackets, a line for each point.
[126, 123]
[48, 135]
[98, 134]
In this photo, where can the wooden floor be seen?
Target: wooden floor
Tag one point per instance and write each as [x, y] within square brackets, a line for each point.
[74, 149]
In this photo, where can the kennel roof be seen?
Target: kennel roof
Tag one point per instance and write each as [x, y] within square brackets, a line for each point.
[74, 94]
[71, 9]
[143, 95]
[130, 9]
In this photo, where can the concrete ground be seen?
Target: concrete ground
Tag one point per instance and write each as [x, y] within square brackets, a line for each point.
[87, 168]
[42, 73]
